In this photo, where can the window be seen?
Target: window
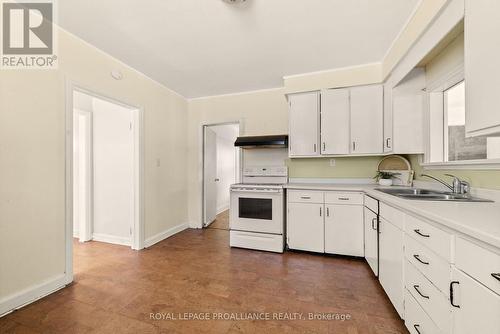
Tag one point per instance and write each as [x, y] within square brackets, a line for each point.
[448, 143]
[457, 146]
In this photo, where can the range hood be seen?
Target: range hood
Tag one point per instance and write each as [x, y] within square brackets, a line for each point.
[277, 141]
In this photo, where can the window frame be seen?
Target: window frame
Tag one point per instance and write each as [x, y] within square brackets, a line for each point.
[440, 86]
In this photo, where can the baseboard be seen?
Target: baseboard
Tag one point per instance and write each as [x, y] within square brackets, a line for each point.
[165, 234]
[32, 294]
[111, 239]
[223, 208]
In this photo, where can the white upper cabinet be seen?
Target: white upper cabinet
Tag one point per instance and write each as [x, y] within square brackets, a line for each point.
[367, 106]
[408, 105]
[335, 133]
[304, 124]
[482, 67]
[388, 136]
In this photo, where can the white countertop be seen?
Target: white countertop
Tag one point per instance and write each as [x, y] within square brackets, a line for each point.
[475, 219]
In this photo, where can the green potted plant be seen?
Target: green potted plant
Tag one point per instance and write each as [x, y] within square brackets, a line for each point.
[384, 178]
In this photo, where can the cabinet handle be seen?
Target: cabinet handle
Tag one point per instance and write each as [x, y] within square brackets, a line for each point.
[343, 198]
[324, 146]
[353, 146]
[496, 276]
[451, 294]
[327, 211]
[320, 212]
[421, 234]
[387, 143]
[417, 328]
[314, 147]
[374, 220]
[416, 287]
[305, 197]
[416, 256]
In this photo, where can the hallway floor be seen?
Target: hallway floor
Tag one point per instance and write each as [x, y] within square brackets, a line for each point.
[117, 289]
[221, 221]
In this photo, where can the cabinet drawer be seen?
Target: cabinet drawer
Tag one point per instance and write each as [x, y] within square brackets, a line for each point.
[478, 262]
[436, 239]
[392, 215]
[434, 302]
[371, 203]
[305, 196]
[332, 197]
[428, 263]
[416, 320]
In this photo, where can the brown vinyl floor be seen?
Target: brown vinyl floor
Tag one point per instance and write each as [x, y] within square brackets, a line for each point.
[221, 221]
[115, 290]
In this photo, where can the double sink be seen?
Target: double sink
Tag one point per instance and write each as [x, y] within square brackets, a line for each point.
[429, 195]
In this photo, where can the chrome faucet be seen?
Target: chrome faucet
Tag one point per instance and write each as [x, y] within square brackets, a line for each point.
[457, 186]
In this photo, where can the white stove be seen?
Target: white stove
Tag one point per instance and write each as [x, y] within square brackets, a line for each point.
[256, 211]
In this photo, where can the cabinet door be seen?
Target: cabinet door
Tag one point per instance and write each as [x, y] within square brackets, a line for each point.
[482, 67]
[304, 124]
[479, 307]
[391, 263]
[335, 136]
[388, 120]
[367, 119]
[344, 229]
[371, 240]
[305, 227]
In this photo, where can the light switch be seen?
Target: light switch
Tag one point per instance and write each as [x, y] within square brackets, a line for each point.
[158, 162]
[332, 162]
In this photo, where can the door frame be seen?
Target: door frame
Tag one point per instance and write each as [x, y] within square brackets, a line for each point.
[85, 229]
[138, 231]
[202, 158]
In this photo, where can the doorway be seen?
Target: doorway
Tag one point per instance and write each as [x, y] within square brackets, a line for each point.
[106, 165]
[221, 168]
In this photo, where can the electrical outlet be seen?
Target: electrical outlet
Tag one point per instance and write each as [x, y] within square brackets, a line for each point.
[332, 162]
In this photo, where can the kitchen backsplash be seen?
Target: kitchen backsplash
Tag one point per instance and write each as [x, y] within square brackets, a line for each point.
[365, 167]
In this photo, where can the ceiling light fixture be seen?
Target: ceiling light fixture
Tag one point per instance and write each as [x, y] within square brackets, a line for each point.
[234, 1]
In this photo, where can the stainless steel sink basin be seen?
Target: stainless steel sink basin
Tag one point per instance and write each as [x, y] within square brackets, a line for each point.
[429, 195]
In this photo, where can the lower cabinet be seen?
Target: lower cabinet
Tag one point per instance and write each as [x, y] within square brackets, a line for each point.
[391, 241]
[344, 229]
[371, 239]
[476, 309]
[305, 227]
[325, 222]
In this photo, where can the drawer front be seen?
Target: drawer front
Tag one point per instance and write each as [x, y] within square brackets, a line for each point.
[333, 197]
[433, 267]
[478, 262]
[305, 196]
[371, 204]
[261, 241]
[434, 302]
[416, 320]
[436, 239]
[393, 215]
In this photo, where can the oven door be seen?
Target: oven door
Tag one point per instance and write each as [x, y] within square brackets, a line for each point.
[256, 211]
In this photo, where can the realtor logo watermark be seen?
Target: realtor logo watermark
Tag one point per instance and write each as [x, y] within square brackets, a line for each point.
[28, 35]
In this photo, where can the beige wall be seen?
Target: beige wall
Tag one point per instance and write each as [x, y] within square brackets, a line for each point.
[418, 23]
[342, 77]
[32, 158]
[448, 60]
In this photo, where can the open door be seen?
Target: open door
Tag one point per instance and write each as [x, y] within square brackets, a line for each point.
[210, 176]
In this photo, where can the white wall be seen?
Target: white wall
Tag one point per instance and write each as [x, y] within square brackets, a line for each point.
[226, 162]
[32, 164]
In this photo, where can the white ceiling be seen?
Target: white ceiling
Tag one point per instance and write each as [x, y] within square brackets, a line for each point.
[208, 47]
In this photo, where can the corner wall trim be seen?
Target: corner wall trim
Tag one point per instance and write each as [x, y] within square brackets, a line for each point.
[32, 294]
[165, 234]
